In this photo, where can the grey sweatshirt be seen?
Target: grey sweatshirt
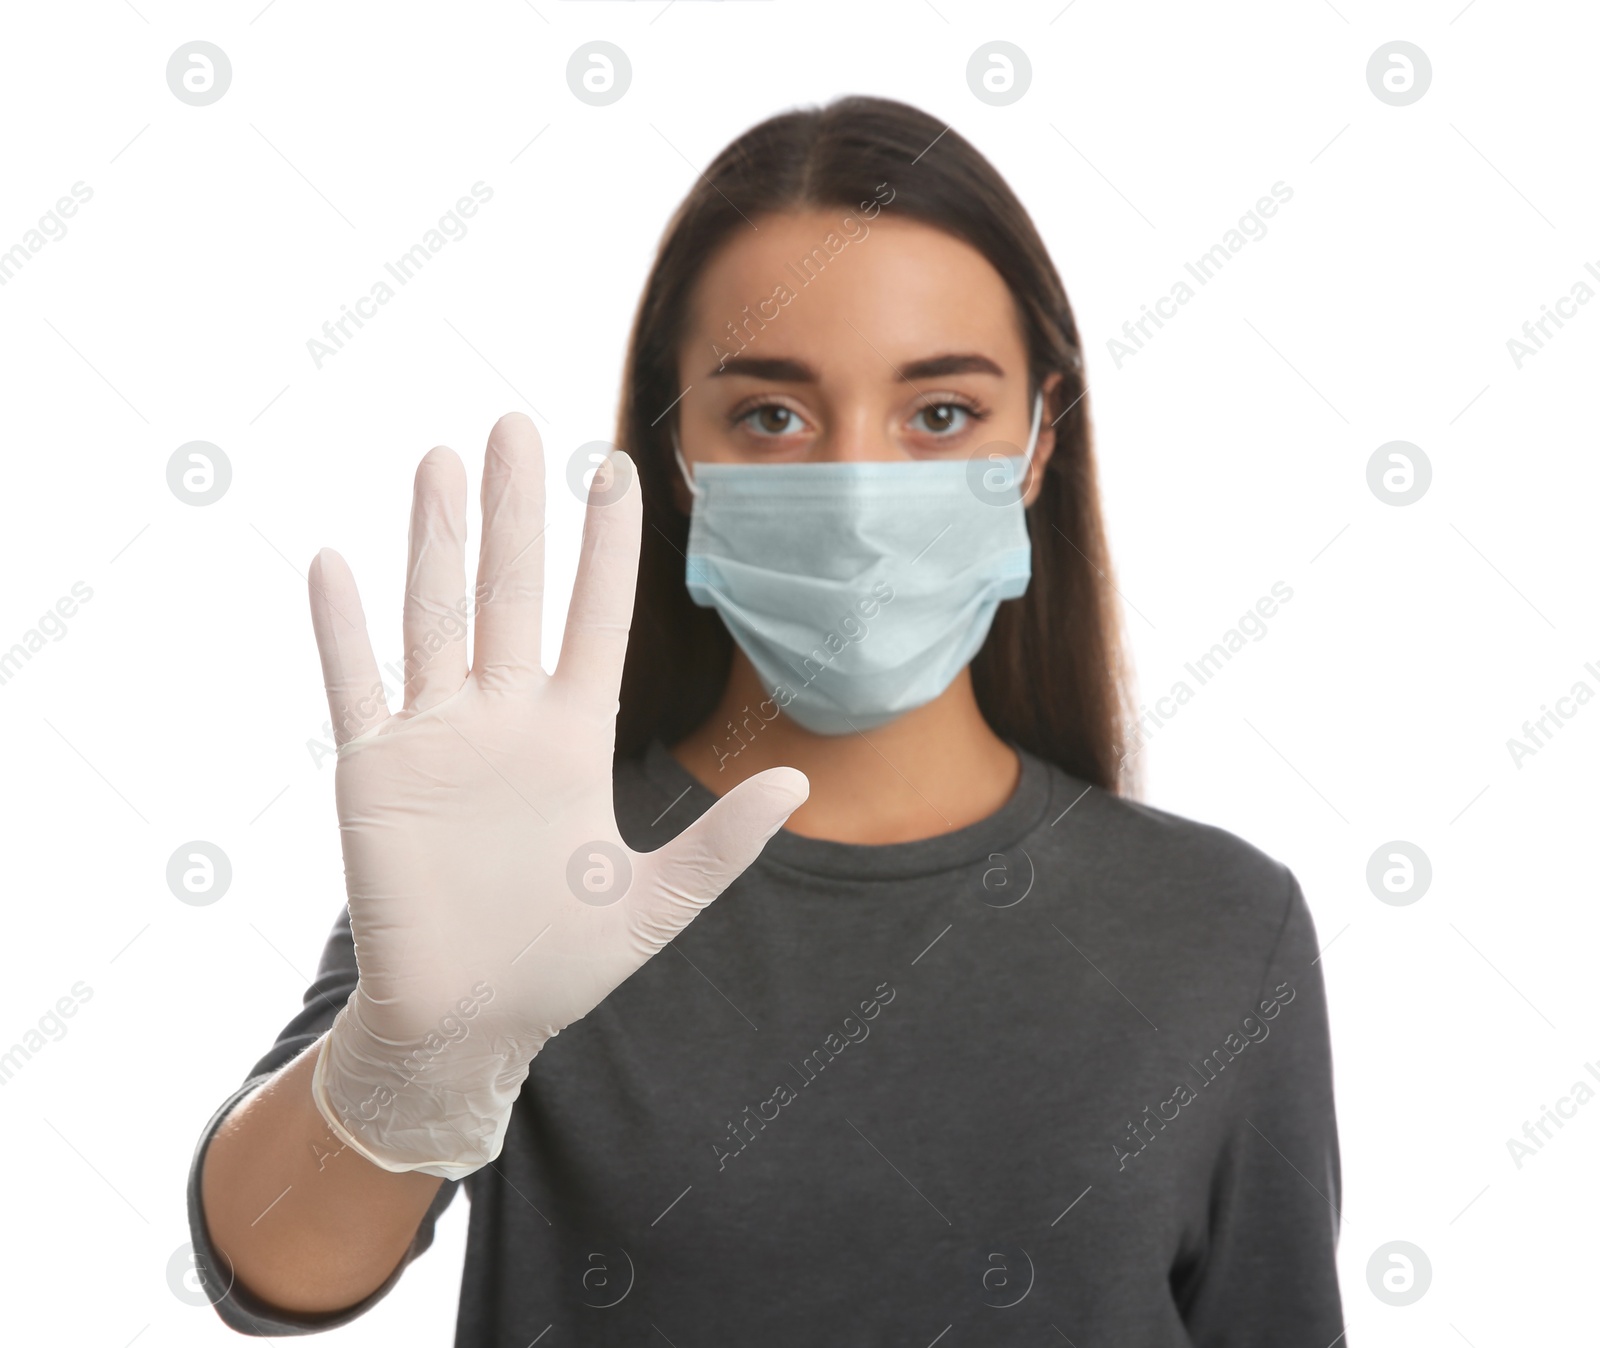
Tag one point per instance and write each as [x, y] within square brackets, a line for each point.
[1060, 1075]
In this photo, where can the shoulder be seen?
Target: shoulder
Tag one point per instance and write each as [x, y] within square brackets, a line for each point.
[1198, 887]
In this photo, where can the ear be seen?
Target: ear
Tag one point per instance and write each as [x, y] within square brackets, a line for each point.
[1046, 444]
[682, 497]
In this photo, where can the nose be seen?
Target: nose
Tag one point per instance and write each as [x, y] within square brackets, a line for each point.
[859, 436]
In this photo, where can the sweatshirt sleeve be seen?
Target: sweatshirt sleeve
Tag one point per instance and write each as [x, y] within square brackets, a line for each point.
[1267, 1278]
[239, 1309]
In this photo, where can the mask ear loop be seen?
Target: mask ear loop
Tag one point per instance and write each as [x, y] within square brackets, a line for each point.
[1033, 431]
[683, 468]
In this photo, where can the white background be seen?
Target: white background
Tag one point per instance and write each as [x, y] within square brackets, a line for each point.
[1233, 452]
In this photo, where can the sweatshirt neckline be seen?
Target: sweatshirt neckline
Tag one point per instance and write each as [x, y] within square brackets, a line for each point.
[975, 842]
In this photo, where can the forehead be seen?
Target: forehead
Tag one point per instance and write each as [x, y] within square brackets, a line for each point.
[837, 287]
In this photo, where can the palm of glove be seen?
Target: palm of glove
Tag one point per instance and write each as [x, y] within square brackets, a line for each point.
[464, 830]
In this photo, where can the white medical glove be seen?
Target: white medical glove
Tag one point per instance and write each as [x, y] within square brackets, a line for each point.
[492, 899]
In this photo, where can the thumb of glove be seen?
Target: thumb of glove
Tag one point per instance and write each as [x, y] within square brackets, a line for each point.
[715, 850]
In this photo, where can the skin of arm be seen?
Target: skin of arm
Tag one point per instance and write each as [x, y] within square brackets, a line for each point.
[307, 1224]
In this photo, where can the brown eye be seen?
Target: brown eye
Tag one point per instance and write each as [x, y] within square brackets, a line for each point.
[942, 418]
[772, 419]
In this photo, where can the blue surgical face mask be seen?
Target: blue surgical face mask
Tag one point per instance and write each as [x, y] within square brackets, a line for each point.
[858, 590]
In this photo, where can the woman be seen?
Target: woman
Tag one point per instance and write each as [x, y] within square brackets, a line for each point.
[971, 1041]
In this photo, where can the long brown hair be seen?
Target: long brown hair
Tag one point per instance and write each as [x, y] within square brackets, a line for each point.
[1051, 676]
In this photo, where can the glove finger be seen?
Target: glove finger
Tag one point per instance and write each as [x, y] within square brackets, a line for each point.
[436, 581]
[356, 700]
[596, 638]
[714, 851]
[511, 555]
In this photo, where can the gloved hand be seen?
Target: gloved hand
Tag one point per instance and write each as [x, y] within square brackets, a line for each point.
[492, 899]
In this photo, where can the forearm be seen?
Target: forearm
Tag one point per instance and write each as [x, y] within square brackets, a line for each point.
[307, 1224]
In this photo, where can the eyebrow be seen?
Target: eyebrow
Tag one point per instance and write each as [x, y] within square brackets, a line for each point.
[785, 370]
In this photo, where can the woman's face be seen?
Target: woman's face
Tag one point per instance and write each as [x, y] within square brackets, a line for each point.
[852, 340]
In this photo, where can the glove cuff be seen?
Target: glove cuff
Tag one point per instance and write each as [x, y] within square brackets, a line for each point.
[443, 1114]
